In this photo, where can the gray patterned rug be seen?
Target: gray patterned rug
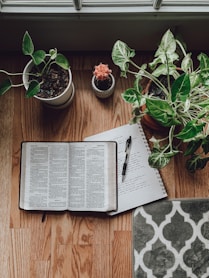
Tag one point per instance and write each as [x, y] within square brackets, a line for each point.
[171, 239]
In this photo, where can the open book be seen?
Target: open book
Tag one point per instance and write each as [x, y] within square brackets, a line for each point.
[75, 176]
[142, 184]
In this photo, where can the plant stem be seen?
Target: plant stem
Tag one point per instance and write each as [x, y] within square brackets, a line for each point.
[148, 75]
[182, 48]
[17, 85]
[170, 139]
[47, 66]
[9, 73]
[171, 135]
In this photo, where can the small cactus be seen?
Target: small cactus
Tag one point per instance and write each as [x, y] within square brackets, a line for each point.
[102, 71]
[102, 76]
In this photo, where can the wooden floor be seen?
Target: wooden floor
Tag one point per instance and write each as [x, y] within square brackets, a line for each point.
[69, 245]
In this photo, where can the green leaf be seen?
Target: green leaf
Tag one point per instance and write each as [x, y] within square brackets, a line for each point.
[191, 130]
[27, 44]
[205, 144]
[192, 147]
[165, 56]
[5, 86]
[33, 89]
[167, 44]
[203, 113]
[164, 70]
[187, 105]
[204, 103]
[204, 68]
[53, 53]
[187, 63]
[131, 96]
[155, 62]
[166, 50]
[164, 59]
[162, 112]
[62, 61]
[158, 159]
[195, 79]
[121, 55]
[196, 163]
[38, 57]
[181, 87]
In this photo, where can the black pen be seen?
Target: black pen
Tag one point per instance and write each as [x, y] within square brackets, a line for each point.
[127, 151]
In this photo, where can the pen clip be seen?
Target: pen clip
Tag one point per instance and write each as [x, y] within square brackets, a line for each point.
[128, 143]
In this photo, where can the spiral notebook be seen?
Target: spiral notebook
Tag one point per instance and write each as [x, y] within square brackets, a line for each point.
[142, 184]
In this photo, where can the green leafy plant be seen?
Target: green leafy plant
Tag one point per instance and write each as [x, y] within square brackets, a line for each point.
[42, 61]
[183, 108]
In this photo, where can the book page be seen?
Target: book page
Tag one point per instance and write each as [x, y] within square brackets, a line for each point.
[44, 176]
[142, 183]
[75, 176]
[92, 176]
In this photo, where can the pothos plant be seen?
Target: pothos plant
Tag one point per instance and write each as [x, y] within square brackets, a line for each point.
[184, 107]
[42, 61]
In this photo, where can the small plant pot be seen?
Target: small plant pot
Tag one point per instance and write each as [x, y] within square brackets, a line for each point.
[58, 102]
[103, 93]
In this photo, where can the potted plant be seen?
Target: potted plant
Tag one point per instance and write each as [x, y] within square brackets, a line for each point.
[103, 82]
[46, 77]
[182, 106]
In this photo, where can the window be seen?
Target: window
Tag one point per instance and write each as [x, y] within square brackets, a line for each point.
[102, 6]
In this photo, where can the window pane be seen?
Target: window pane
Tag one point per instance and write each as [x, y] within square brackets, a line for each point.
[94, 3]
[201, 6]
[116, 2]
[36, 6]
[185, 2]
[88, 6]
[32, 2]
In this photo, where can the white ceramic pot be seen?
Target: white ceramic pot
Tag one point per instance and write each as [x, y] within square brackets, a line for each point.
[58, 102]
[103, 93]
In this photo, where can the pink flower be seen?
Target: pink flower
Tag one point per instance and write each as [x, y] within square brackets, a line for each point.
[102, 72]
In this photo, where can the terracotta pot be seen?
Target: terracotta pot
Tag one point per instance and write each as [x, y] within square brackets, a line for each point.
[103, 93]
[58, 102]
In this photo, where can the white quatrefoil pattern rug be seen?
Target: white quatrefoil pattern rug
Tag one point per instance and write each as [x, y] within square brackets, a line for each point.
[171, 239]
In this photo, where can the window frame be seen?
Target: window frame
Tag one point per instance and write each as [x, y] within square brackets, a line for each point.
[117, 7]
